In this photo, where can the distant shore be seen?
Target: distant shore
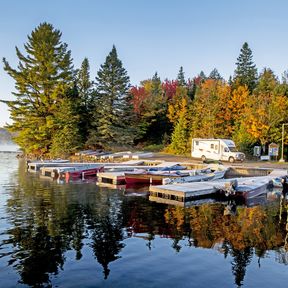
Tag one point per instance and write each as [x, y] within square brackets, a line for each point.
[9, 148]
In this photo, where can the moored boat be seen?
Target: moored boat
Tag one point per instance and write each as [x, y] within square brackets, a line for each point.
[149, 177]
[249, 187]
[82, 173]
[198, 176]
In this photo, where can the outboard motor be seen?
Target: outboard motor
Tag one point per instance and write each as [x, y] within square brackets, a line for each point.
[284, 182]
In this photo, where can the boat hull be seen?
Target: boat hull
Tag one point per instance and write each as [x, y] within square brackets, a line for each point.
[146, 179]
[78, 174]
[249, 192]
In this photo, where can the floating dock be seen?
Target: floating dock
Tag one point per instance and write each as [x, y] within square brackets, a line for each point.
[247, 187]
[239, 171]
[187, 191]
[115, 178]
[35, 166]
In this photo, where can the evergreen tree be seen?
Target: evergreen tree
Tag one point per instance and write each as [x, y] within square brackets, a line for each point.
[181, 78]
[158, 121]
[156, 88]
[246, 71]
[202, 76]
[85, 105]
[42, 79]
[180, 135]
[66, 137]
[113, 111]
[215, 75]
[84, 84]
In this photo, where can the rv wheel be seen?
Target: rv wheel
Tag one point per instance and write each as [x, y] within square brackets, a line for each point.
[231, 159]
[203, 158]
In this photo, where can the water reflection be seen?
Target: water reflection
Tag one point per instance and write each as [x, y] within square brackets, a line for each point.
[46, 220]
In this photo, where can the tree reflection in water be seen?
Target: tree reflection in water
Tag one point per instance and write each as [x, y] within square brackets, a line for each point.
[282, 253]
[107, 236]
[37, 254]
[242, 231]
[47, 220]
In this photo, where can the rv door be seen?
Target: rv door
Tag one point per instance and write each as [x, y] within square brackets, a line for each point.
[224, 152]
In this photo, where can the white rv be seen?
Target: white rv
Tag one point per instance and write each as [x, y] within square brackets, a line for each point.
[216, 149]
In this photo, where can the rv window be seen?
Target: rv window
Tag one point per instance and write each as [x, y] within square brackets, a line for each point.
[212, 146]
[196, 143]
[233, 149]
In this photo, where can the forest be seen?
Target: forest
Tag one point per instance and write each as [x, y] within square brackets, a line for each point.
[58, 109]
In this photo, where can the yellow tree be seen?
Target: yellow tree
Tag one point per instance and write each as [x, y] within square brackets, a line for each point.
[174, 105]
[266, 110]
[237, 105]
[210, 113]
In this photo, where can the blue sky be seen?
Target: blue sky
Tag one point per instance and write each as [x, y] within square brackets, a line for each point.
[151, 35]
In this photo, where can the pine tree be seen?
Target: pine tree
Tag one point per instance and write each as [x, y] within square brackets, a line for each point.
[215, 75]
[156, 85]
[246, 71]
[42, 79]
[202, 76]
[85, 104]
[84, 84]
[180, 135]
[113, 111]
[181, 78]
[66, 138]
[158, 121]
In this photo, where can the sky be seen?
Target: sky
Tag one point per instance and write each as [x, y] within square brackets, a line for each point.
[151, 35]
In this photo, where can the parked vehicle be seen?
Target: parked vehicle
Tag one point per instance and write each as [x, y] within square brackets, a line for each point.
[216, 149]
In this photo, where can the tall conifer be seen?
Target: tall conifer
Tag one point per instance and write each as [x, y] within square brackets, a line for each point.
[246, 71]
[215, 75]
[181, 78]
[85, 104]
[113, 111]
[42, 79]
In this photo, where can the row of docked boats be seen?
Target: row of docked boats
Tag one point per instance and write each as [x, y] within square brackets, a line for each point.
[134, 172]
[175, 174]
[170, 178]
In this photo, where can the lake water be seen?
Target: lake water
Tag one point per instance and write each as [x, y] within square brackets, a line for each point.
[80, 235]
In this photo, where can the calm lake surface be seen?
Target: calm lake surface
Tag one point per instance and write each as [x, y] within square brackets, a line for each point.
[81, 235]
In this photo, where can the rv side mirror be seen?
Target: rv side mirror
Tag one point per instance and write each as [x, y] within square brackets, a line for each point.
[226, 149]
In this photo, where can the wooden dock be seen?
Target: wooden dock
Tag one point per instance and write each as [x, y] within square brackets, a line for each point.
[252, 186]
[187, 191]
[239, 171]
[35, 166]
[115, 178]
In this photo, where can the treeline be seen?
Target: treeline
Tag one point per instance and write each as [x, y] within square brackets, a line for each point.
[58, 109]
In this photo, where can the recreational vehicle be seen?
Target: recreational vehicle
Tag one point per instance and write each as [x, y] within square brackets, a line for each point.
[216, 149]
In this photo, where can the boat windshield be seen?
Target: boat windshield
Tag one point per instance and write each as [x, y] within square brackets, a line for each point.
[233, 149]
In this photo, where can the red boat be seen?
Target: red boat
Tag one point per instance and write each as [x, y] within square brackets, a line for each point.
[148, 177]
[82, 173]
